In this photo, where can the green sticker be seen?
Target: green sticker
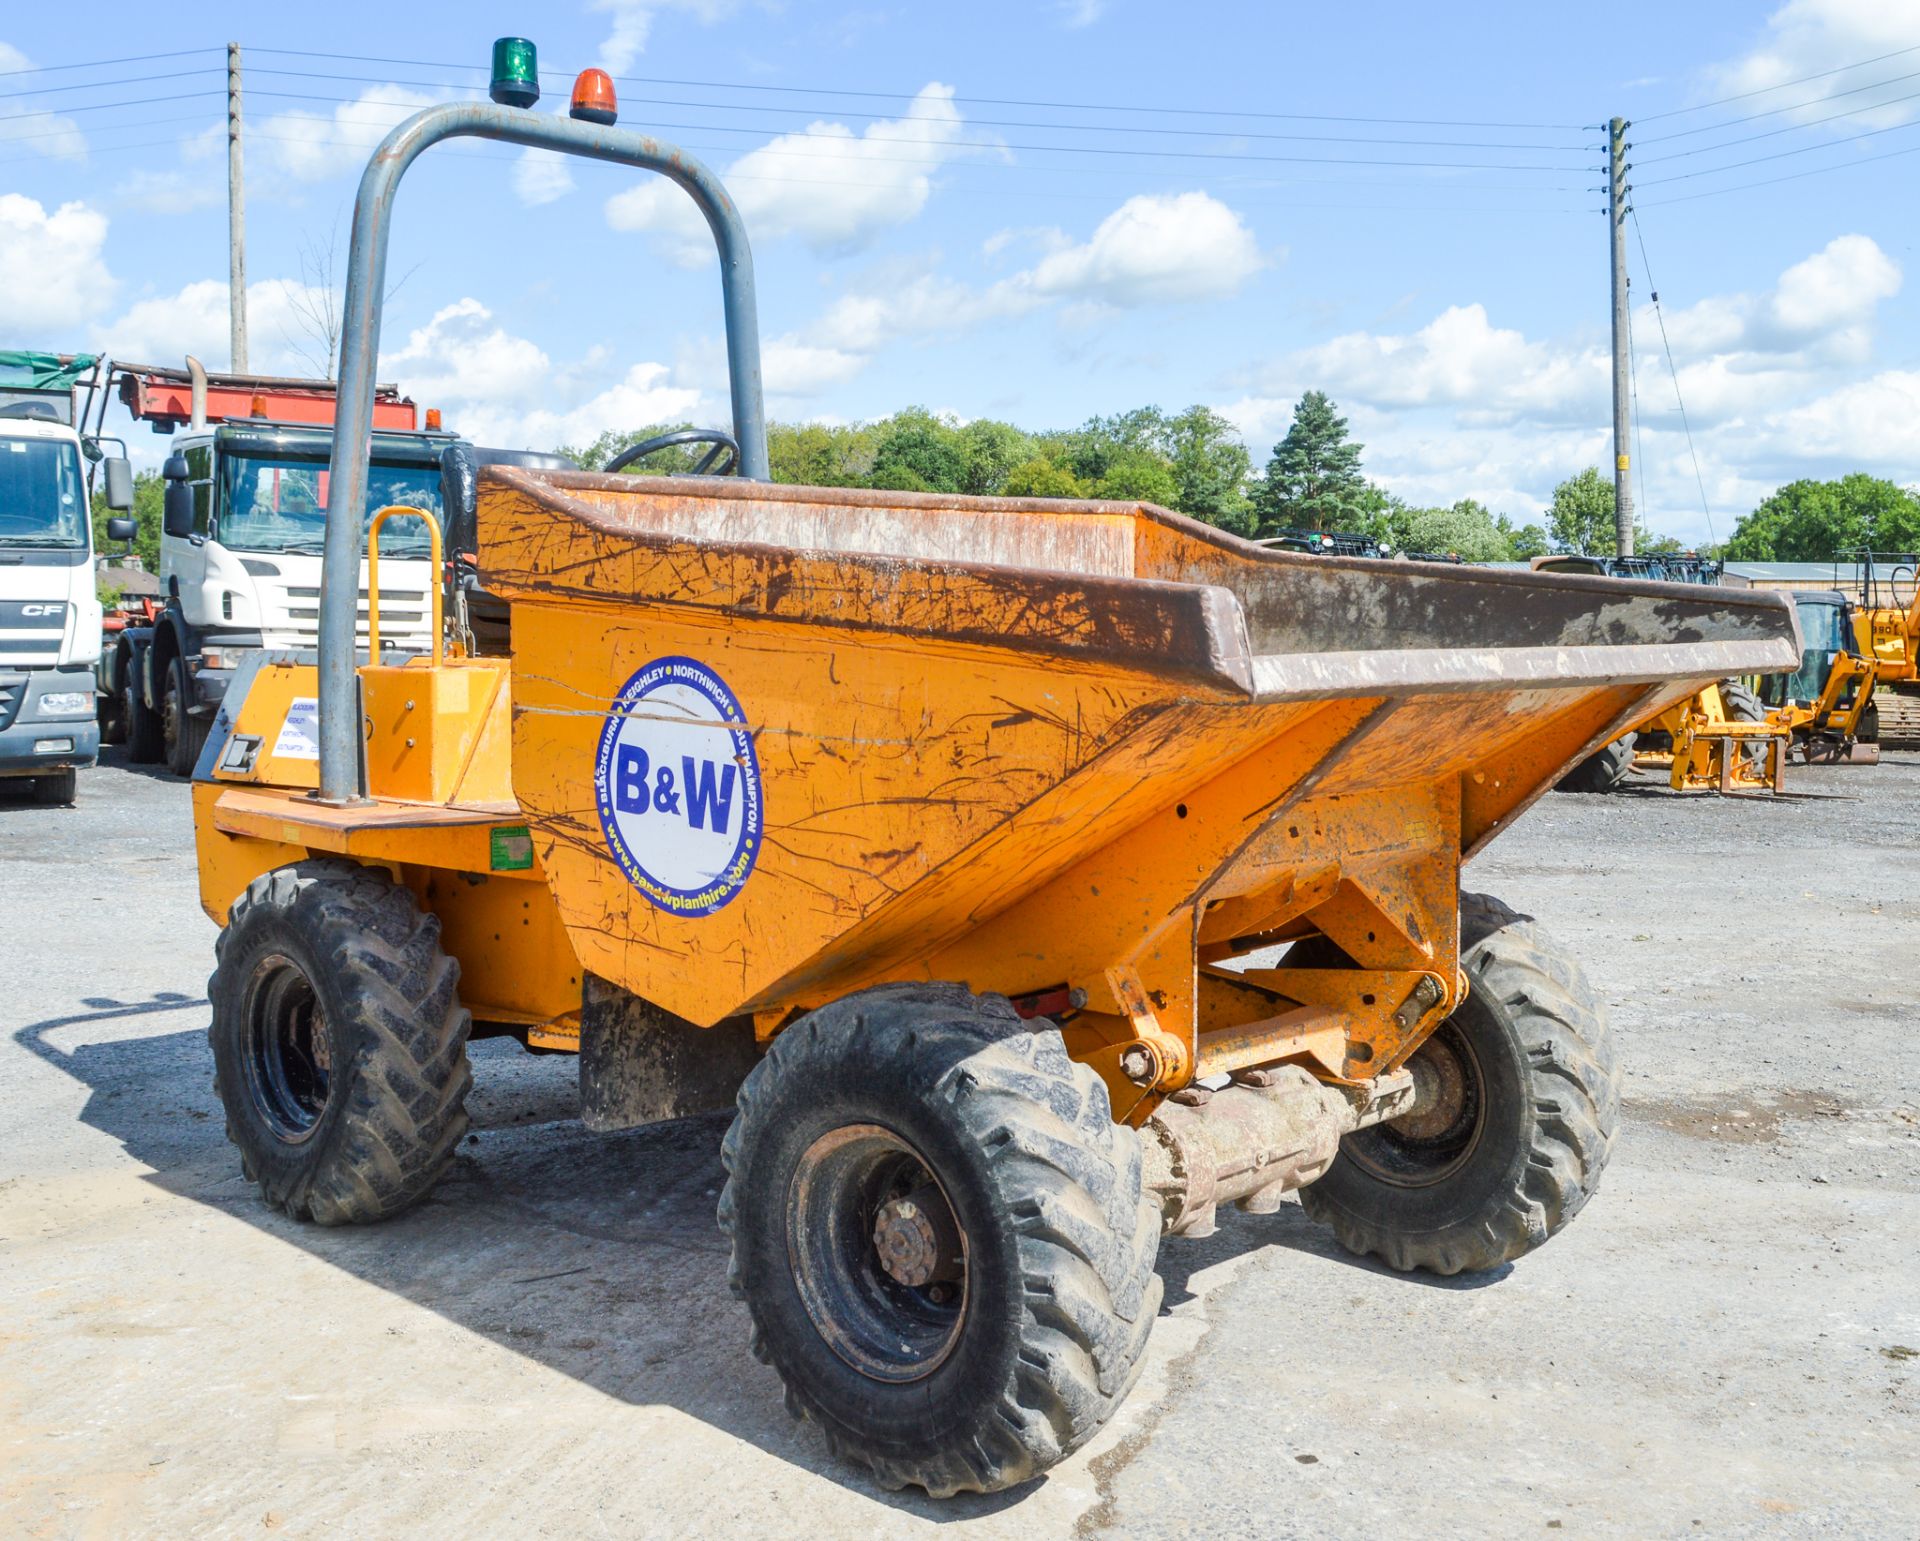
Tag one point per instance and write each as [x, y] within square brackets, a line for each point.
[512, 849]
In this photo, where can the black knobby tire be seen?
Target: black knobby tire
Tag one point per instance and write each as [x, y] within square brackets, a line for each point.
[1044, 1334]
[111, 714]
[146, 738]
[58, 789]
[182, 734]
[1742, 705]
[339, 1043]
[1535, 1119]
[1601, 771]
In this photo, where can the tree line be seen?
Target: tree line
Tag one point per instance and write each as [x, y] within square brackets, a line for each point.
[1192, 461]
[1196, 462]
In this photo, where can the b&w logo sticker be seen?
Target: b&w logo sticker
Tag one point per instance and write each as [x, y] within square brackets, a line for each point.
[677, 785]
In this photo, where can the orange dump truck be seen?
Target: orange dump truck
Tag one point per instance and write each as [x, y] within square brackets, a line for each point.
[1031, 879]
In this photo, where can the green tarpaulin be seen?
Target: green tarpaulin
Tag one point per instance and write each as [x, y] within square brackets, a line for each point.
[44, 371]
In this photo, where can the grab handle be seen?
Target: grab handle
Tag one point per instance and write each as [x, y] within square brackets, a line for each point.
[405, 511]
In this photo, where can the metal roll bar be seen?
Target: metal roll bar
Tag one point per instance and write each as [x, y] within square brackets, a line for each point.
[360, 350]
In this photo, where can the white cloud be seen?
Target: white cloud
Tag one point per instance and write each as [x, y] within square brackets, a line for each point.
[1812, 37]
[792, 367]
[1462, 407]
[633, 25]
[824, 185]
[53, 271]
[464, 353]
[1459, 358]
[164, 329]
[541, 176]
[1129, 261]
[1081, 13]
[1153, 250]
[58, 138]
[311, 147]
[170, 192]
[1869, 422]
[503, 390]
[1837, 287]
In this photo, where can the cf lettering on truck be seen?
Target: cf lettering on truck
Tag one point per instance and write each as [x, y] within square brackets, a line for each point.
[50, 611]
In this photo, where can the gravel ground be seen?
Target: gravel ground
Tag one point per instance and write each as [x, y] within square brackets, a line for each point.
[1727, 1343]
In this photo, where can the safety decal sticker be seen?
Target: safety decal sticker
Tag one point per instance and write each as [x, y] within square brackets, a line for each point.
[677, 785]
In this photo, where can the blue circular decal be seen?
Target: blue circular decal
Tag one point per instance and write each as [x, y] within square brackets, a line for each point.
[677, 786]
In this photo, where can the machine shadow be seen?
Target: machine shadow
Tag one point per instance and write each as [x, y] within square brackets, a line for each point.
[596, 1255]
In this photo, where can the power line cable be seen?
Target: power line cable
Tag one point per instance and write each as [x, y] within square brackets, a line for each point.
[1792, 176]
[1774, 112]
[1077, 128]
[138, 101]
[59, 133]
[95, 64]
[1063, 149]
[101, 85]
[1775, 133]
[985, 101]
[368, 144]
[1758, 160]
[1659, 315]
[1654, 117]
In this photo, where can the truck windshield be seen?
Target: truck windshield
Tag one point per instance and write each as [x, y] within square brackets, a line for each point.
[43, 497]
[281, 504]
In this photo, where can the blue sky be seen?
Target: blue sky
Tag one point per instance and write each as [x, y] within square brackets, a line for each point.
[940, 217]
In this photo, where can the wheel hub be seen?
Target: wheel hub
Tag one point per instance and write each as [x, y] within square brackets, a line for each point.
[878, 1259]
[288, 1061]
[1439, 1092]
[907, 1233]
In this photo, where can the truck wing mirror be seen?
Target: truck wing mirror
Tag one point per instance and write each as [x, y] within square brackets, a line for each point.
[119, 481]
[177, 509]
[122, 529]
[175, 469]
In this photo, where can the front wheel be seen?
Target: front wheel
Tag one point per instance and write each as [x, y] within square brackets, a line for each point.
[1520, 1100]
[57, 789]
[182, 733]
[339, 1047]
[941, 1236]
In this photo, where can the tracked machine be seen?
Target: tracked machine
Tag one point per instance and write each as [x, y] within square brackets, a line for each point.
[1031, 880]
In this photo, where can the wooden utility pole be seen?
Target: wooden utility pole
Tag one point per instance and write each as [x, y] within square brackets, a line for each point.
[1622, 364]
[236, 222]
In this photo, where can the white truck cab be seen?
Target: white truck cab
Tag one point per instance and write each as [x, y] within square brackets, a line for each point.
[50, 609]
[240, 560]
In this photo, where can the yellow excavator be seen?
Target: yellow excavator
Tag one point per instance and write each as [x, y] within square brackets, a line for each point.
[1720, 739]
[1885, 626]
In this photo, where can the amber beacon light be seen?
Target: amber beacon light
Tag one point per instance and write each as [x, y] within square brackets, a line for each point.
[593, 99]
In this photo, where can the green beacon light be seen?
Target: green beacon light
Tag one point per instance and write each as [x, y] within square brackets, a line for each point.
[516, 72]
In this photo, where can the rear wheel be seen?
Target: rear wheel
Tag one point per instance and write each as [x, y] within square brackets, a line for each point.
[182, 733]
[339, 1046]
[1742, 705]
[1520, 1100]
[146, 742]
[1601, 771]
[57, 789]
[112, 715]
[941, 1236]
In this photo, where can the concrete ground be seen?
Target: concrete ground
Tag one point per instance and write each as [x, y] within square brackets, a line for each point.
[1726, 1343]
